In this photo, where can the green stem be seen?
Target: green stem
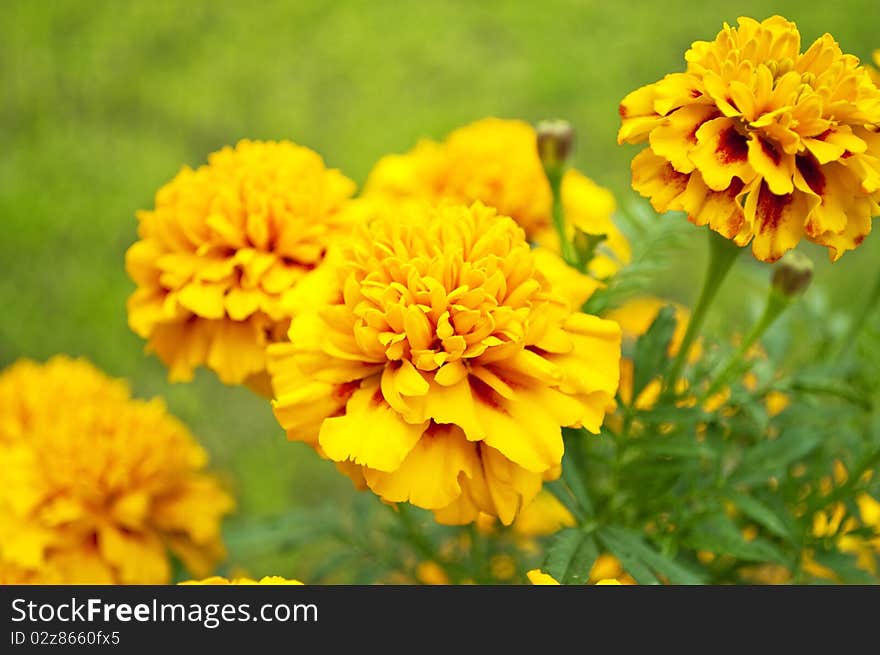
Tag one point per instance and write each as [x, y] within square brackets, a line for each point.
[848, 339]
[722, 255]
[776, 304]
[569, 254]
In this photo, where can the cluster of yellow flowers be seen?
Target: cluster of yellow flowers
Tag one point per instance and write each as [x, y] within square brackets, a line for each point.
[425, 336]
[432, 353]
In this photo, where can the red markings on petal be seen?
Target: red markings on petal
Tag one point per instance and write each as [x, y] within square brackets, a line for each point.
[346, 389]
[770, 208]
[812, 173]
[771, 151]
[484, 393]
[732, 146]
[622, 111]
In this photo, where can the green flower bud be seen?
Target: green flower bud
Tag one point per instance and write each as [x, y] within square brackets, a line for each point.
[792, 275]
[555, 141]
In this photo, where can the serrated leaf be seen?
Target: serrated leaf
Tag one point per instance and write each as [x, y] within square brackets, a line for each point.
[651, 350]
[679, 446]
[721, 536]
[570, 556]
[641, 560]
[761, 514]
[571, 470]
[772, 456]
[562, 491]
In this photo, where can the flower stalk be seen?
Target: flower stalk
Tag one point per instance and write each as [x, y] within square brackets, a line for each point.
[722, 255]
[790, 279]
[554, 141]
[855, 328]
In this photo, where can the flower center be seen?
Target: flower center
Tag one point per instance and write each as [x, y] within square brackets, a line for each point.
[443, 293]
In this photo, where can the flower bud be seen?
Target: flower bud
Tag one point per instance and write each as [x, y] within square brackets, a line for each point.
[792, 274]
[555, 140]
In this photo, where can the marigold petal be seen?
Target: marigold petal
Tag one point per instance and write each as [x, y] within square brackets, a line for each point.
[429, 476]
[370, 433]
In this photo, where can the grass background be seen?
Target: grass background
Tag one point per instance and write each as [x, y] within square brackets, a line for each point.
[103, 101]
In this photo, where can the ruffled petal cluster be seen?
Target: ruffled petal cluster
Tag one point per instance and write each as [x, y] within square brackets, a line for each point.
[495, 161]
[441, 365]
[97, 487]
[220, 249]
[766, 144]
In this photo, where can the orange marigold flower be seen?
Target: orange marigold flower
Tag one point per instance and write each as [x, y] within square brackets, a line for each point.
[440, 365]
[496, 162]
[220, 249]
[764, 143]
[97, 487]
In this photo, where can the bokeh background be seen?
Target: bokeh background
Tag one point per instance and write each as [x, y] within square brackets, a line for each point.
[102, 102]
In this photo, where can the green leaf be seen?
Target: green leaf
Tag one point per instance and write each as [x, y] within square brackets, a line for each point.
[573, 463]
[563, 492]
[641, 560]
[679, 446]
[651, 350]
[571, 556]
[761, 514]
[773, 456]
[721, 536]
[845, 566]
[585, 244]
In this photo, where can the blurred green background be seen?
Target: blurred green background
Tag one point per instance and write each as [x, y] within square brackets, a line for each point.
[102, 102]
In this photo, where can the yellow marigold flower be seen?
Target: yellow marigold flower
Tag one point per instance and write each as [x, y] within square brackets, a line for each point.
[543, 516]
[220, 249]
[538, 577]
[268, 580]
[97, 487]
[607, 566]
[764, 143]
[440, 365]
[496, 162]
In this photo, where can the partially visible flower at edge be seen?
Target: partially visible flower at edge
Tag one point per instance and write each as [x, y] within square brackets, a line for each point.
[97, 487]
[539, 577]
[267, 580]
[762, 142]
